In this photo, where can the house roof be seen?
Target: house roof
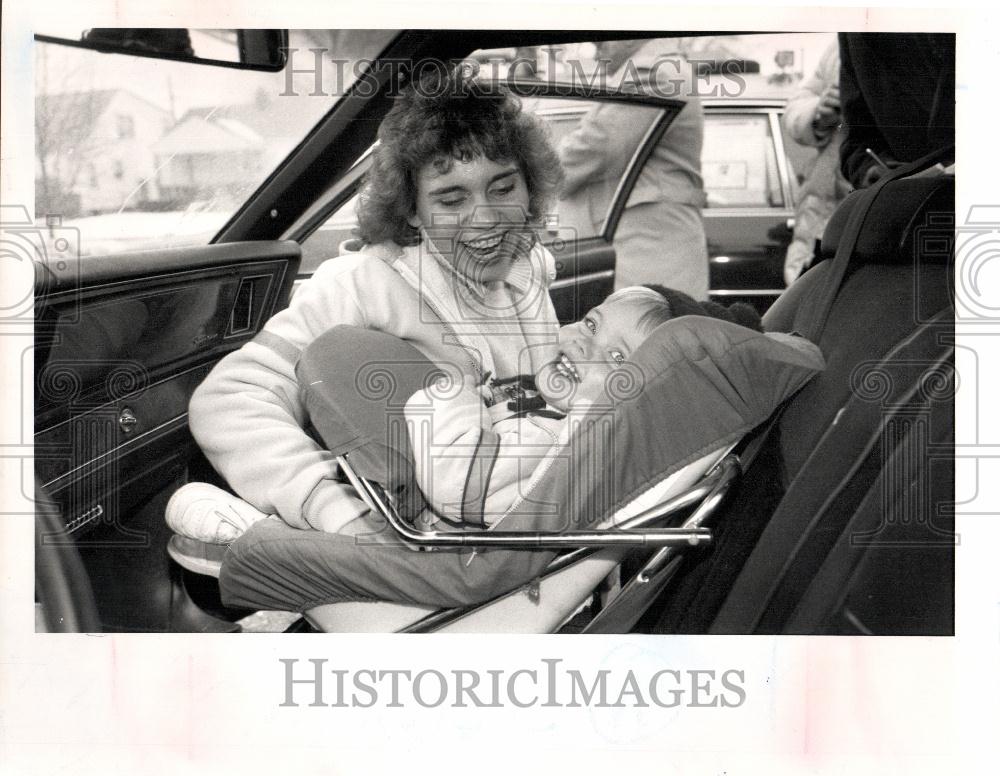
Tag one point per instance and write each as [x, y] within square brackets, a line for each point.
[68, 118]
[195, 134]
[268, 116]
[94, 99]
[98, 98]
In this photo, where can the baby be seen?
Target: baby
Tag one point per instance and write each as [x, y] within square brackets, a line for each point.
[475, 448]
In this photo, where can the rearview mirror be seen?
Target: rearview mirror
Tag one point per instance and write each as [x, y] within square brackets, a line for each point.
[244, 49]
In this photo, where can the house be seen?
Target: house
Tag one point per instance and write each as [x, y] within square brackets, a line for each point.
[218, 154]
[93, 151]
[205, 156]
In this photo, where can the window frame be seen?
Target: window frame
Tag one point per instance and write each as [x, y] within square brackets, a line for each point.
[772, 109]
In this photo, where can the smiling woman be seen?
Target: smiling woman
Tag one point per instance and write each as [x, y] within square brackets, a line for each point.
[470, 156]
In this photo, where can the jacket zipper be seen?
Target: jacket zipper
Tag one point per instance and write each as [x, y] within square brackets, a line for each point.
[447, 327]
[426, 299]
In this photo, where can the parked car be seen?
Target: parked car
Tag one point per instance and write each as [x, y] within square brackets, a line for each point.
[122, 340]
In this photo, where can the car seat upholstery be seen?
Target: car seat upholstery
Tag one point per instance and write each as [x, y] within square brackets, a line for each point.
[843, 525]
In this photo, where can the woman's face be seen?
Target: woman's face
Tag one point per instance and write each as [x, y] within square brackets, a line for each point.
[476, 214]
[589, 351]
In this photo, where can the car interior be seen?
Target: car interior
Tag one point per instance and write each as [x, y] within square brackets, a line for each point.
[834, 516]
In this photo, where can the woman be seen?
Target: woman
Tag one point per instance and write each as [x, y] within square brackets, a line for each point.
[450, 263]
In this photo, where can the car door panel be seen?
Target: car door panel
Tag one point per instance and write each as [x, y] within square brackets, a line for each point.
[585, 275]
[749, 218]
[746, 253]
[120, 345]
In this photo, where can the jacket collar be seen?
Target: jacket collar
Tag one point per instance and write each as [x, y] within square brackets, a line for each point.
[436, 288]
[426, 274]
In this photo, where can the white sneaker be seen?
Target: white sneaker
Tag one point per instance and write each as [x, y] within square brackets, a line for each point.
[199, 557]
[209, 514]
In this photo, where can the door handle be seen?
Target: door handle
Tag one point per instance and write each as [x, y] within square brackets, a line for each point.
[127, 420]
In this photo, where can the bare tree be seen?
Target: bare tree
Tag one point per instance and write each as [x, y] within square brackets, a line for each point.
[66, 142]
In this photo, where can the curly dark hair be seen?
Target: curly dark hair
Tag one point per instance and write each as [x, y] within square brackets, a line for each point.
[450, 115]
[678, 303]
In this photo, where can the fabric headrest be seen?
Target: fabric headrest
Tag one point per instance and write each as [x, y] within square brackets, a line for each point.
[907, 215]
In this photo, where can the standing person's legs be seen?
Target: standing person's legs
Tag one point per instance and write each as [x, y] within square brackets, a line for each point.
[662, 243]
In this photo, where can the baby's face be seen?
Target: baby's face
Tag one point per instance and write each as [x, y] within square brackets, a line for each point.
[589, 352]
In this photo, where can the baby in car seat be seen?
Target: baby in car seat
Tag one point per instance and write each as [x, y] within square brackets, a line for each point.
[476, 448]
[483, 442]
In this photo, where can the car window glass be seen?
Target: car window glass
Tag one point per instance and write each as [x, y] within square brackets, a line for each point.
[739, 164]
[138, 153]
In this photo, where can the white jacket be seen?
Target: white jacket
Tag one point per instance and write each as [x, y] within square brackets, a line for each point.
[473, 462]
[248, 415]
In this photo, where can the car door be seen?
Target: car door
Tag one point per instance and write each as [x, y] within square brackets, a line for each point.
[750, 189]
[750, 212]
[120, 344]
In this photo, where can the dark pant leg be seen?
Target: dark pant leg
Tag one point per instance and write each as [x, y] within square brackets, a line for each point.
[275, 566]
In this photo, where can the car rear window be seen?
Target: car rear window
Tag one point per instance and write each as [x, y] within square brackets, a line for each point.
[739, 165]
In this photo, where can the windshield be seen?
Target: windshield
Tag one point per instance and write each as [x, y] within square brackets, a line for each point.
[139, 153]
